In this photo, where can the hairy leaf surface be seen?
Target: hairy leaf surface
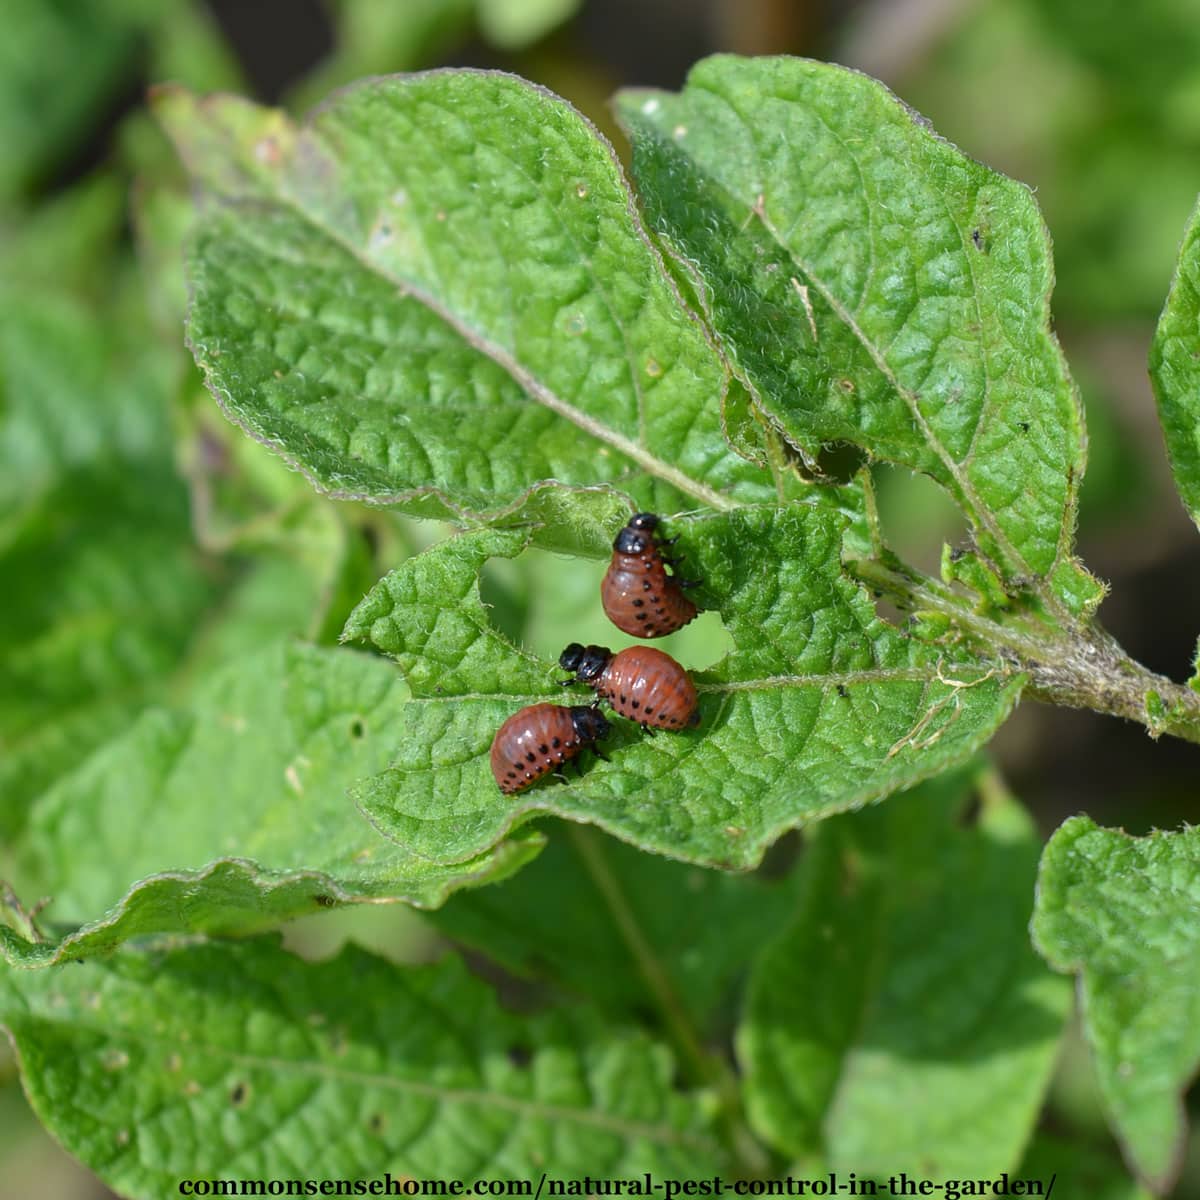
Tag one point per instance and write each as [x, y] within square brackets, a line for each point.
[1175, 369]
[874, 286]
[437, 293]
[232, 815]
[1119, 912]
[820, 707]
[243, 1062]
[904, 1023]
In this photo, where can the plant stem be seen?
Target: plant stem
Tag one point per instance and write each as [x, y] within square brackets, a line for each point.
[703, 1067]
[1080, 667]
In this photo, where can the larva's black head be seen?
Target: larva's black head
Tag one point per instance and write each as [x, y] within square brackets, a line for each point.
[637, 535]
[588, 724]
[586, 662]
[571, 657]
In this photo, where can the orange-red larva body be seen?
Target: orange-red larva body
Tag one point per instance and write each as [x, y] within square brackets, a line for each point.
[640, 683]
[539, 739]
[638, 595]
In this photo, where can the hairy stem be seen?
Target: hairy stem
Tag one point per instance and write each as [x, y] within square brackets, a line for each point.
[1079, 667]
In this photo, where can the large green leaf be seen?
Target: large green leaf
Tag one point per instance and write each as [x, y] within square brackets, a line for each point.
[241, 1062]
[904, 1023]
[1119, 912]
[437, 293]
[1175, 369]
[820, 707]
[874, 286]
[658, 933]
[232, 814]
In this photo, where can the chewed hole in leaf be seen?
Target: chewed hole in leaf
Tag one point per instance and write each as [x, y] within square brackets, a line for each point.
[557, 599]
[917, 517]
[840, 462]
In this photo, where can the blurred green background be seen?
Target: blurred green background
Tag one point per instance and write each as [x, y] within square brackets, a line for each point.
[142, 540]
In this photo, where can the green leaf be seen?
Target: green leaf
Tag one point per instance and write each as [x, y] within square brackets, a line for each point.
[820, 707]
[657, 933]
[439, 255]
[1175, 369]
[242, 1062]
[874, 286]
[232, 815]
[904, 1023]
[1119, 912]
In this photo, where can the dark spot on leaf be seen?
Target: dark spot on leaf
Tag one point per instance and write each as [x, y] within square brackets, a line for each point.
[323, 901]
[375, 1124]
[237, 1096]
[977, 238]
[357, 730]
[1024, 426]
[956, 553]
[841, 690]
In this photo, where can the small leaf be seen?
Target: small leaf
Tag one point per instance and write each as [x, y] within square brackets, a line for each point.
[657, 932]
[820, 707]
[1175, 369]
[904, 1023]
[437, 294]
[237, 1062]
[1119, 912]
[873, 286]
[233, 815]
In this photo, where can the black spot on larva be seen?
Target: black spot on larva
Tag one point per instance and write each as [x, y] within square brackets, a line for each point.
[638, 603]
[646, 586]
[357, 730]
[543, 749]
[323, 901]
[238, 1094]
[519, 1055]
[556, 742]
[531, 757]
[624, 699]
[641, 616]
[637, 704]
[649, 711]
